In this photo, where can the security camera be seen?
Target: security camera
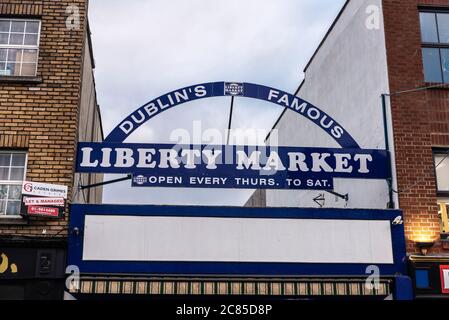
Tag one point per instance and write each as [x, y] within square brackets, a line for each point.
[397, 221]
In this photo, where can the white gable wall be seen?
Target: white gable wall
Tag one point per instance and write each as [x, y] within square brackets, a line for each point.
[345, 79]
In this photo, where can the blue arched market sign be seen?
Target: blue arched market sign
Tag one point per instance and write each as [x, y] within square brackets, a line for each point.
[220, 89]
[206, 166]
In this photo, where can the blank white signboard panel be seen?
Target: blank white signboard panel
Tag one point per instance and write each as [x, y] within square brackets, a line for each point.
[143, 238]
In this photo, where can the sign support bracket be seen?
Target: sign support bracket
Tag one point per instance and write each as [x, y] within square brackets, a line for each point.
[95, 185]
[342, 196]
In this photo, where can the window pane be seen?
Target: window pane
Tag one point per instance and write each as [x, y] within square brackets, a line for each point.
[428, 27]
[4, 25]
[15, 55]
[18, 159]
[5, 159]
[13, 208]
[32, 27]
[4, 38]
[30, 56]
[445, 63]
[3, 191]
[18, 26]
[16, 174]
[31, 40]
[13, 69]
[3, 54]
[2, 207]
[16, 39]
[442, 170]
[28, 69]
[443, 27]
[4, 173]
[15, 192]
[2, 69]
[432, 65]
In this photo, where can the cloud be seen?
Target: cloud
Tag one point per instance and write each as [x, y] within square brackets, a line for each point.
[147, 48]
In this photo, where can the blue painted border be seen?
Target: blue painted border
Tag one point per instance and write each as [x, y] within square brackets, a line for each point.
[78, 213]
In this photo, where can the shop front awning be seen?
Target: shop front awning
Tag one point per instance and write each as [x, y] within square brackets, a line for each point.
[255, 287]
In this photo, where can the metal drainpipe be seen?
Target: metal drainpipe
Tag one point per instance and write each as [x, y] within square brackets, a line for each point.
[391, 204]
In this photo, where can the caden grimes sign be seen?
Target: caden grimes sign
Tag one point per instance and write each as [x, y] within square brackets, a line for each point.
[251, 167]
[44, 189]
[43, 199]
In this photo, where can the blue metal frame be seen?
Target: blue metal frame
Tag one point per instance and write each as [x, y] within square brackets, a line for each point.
[79, 212]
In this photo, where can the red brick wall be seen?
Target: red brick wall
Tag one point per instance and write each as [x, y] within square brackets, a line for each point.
[43, 117]
[420, 121]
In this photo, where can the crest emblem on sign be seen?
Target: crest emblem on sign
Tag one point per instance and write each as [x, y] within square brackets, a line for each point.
[140, 180]
[234, 89]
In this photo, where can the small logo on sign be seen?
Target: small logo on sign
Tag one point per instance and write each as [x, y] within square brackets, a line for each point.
[28, 187]
[140, 180]
[234, 89]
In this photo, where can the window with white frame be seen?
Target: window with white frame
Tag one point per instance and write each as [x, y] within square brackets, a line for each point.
[435, 45]
[441, 158]
[443, 212]
[12, 174]
[19, 47]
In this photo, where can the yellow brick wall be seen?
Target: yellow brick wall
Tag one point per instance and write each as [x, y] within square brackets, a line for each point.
[43, 117]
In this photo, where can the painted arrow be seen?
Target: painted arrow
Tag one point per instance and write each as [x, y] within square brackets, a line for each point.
[320, 200]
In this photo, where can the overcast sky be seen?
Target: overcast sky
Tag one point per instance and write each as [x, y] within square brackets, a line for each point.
[146, 48]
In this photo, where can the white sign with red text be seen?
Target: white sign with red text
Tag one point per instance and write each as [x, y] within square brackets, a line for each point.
[58, 202]
[444, 270]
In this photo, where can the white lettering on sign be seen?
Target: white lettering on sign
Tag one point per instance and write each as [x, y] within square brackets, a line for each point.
[363, 159]
[124, 158]
[44, 190]
[86, 156]
[251, 162]
[318, 162]
[59, 202]
[308, 111]
[161, 104]
[145, 158]
[211, 157]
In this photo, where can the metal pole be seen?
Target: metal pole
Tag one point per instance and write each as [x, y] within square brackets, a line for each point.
[390, 204]
[230, 119]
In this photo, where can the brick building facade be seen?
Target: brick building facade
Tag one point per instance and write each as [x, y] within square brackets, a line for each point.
[47, 104]
[420, 120]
